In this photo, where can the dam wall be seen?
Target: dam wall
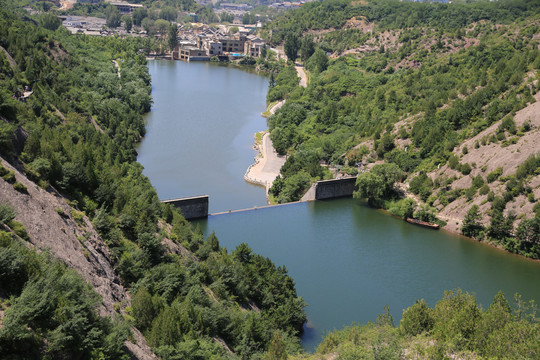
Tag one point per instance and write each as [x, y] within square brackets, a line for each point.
[192, 207]
[330, 189]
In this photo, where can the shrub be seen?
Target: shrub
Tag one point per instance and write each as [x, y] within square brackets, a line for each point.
[453, 162]
[20, 187]
[77, 216]
[494, 175]
[478, 181]
[416, 319]
[9, 177]
[19, 229]
[6, 213]
[484, 189]
[465, 169]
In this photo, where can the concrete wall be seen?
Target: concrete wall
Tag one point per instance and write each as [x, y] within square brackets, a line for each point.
[193, 207]
[329, 189]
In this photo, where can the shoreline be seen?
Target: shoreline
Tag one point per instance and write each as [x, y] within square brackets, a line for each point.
[267, 163]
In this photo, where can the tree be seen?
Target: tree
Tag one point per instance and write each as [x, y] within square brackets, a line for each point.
[50, 21]
[277, 349]
[456, 318]
[162, 27]
[114, 18]
[6, 213]
[500, 226]
[292, 45]
[318, 62]
[149, 26]
[138, 15]
[370, 186]
[528, 235]
[378, 184]
[172, 37]
[471, 223]
[416, 319]
[168, 13]
[143, 309]
[128, 23]
[307, 47]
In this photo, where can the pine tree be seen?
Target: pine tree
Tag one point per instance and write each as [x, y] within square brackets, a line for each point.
[471, 223]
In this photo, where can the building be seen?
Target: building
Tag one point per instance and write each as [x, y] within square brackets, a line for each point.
[126, 8]
[253, 46]
[205, 43]
[190, 54]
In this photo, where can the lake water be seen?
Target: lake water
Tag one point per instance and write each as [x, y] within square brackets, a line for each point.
[347, 260]
[200, 132]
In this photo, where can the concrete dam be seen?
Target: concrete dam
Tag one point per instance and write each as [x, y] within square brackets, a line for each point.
[197, 207]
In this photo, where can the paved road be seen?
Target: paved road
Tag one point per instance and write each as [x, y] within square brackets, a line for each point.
[301, 73]
[276, 106]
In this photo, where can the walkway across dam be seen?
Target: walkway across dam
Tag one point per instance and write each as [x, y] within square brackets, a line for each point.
[197, 207]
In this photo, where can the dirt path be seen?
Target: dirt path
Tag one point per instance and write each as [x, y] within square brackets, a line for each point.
[301, 73]
[117, 68]
[12, 62]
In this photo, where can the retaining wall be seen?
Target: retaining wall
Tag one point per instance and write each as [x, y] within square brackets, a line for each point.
[329, 189]
[192, 207]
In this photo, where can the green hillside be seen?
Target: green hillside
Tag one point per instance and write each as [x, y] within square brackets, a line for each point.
[72, 141]
[435, 89]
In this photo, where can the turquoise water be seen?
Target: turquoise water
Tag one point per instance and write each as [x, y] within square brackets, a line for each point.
[347, 260]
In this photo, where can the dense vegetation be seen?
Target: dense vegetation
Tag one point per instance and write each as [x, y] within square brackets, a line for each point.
[408, 90]
[83, 121]
[51, 309]
[456, 327]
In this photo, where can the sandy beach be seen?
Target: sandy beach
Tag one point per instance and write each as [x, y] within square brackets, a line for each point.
[267, 164]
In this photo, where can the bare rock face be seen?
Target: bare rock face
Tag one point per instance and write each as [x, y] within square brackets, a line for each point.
[51, 225]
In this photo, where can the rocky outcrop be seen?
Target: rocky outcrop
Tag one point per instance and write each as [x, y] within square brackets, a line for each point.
[54, 226]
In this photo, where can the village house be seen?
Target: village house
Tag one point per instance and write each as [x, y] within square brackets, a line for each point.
[204, 43]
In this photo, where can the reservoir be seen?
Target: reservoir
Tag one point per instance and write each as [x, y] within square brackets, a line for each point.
[200, 133]
[346, 259]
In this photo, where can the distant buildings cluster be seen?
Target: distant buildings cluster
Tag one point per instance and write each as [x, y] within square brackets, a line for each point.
[205, 43]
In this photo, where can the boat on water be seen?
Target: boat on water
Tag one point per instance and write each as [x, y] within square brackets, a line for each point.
[423, 223]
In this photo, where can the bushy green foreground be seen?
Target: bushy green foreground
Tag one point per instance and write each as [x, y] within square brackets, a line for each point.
[84, 122]
[51, 311]
[456, 327]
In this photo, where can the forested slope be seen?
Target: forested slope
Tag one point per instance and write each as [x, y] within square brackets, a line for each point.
[73, 196]
[435, 90]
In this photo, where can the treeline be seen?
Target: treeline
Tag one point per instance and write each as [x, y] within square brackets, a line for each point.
[390, 14]
[455, 327]
[82, 124]
[155, 15]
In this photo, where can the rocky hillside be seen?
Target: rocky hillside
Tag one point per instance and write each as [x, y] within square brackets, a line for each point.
[53, 225]
[447, 92]
[487, 156]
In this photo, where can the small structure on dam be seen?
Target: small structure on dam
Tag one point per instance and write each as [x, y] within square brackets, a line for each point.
[330, 189]
[191, 207]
